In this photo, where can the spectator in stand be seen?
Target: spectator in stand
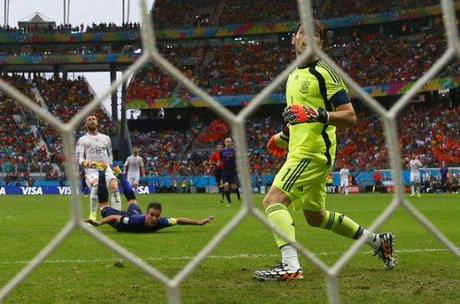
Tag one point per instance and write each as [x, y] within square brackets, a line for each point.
[208, 12]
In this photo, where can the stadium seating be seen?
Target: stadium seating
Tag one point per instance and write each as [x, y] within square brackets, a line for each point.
[428, 131]
[34, 146]
[215, 13]
[238, 69]
[361, 148]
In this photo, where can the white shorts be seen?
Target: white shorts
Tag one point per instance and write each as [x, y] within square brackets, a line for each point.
[92, 174]
[133, 178]
[415, 178]
[344, 183]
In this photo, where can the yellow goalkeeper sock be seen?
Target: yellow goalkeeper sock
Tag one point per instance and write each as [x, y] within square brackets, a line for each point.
[341, 224]
[280, 217]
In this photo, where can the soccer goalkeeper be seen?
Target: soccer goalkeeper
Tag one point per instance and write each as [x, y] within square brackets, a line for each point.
[133, 220]
[317, 103]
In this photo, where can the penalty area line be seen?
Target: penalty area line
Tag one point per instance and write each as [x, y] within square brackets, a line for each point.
[224, 257]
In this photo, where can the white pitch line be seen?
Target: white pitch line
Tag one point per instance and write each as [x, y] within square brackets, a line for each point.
[224, 257]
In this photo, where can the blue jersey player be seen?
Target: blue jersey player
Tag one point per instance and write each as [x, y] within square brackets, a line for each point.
[133, 220]
[229, 174]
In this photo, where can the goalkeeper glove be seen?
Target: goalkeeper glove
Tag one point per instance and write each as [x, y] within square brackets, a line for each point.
[278, 144]
[94, 165]
[296, 114]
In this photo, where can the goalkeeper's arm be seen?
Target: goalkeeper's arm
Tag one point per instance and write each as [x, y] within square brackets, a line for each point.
[343, 116]
[105, 220]
[282, 138]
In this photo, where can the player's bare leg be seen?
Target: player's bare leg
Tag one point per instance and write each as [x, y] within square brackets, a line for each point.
[235, 189]
[222, 192]
[227, 194]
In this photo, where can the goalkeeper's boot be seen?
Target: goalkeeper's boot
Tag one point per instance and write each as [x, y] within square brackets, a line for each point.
[116, 170]
[385, 251]
[279, 272]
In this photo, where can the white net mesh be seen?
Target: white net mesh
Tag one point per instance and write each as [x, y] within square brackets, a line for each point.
[238, 122]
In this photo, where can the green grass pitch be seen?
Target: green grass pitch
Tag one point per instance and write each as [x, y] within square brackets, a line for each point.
[84, 271]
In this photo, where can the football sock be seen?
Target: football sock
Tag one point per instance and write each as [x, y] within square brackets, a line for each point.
[280, 217]
[93, 202]
[102, 193]
[412, 190]
[341, 224]
[127, 189]
[237, 191]
[289, 257]
[221, 190]
[372, 239]
[227, 195]
[115, 201]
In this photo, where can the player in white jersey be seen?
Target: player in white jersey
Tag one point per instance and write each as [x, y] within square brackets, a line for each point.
[94, 152]
[343, 174]
[415, 165]
[134, 168]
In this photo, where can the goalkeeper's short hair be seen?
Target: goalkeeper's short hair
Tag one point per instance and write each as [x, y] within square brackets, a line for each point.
[317, 31]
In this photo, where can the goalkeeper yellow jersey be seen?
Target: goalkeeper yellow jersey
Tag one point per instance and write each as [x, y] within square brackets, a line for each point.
[314, 86]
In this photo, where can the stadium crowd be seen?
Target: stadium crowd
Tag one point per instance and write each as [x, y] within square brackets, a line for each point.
[68, 28]
[235, 66]
[430, 131]
[238, 69]
[217, 13]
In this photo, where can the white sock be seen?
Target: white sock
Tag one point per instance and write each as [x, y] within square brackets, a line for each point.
[412, 190]
[93, 203]
[372, 239]
[115, 201]
[346, 190]
[289, 257]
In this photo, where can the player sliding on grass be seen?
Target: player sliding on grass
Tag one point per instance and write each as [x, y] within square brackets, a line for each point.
[317, 102]
[133, 220]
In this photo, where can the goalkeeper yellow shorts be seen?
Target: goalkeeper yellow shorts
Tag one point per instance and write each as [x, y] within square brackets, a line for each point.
[304, 182]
